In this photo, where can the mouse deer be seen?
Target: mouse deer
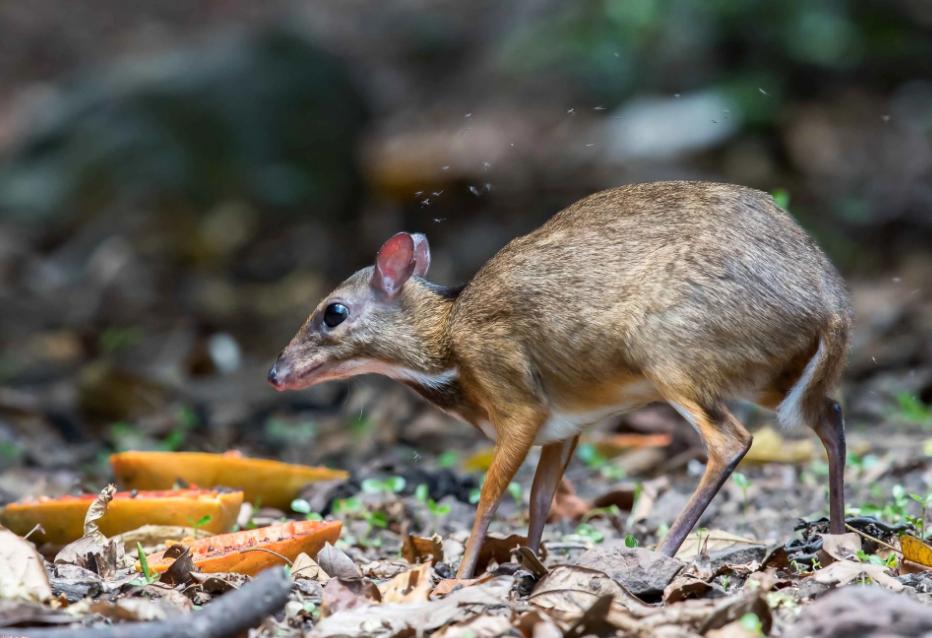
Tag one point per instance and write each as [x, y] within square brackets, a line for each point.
[692, 293]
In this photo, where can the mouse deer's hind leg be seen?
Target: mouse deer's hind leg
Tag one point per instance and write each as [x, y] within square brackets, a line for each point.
[726, 441]
[830, 427]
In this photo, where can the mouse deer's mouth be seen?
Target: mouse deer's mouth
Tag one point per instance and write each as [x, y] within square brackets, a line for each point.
[284, 378]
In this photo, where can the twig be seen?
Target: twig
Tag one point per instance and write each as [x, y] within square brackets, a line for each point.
[230, 615]
[873, 538]
[267, 551]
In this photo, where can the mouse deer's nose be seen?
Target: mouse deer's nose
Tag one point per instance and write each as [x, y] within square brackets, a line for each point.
[274, 377]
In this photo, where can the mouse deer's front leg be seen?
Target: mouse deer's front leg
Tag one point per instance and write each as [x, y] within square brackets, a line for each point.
[554, 458]
[515, 435]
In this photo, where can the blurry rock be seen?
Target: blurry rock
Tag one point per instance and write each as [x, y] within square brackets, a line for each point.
[863, 611]
[262, 117]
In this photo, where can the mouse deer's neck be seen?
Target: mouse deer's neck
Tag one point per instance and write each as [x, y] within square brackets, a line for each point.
[430, 309]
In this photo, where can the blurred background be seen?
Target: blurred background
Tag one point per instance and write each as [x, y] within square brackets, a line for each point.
[181, 182]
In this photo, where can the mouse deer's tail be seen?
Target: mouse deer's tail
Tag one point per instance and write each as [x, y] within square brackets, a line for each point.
[804, 403]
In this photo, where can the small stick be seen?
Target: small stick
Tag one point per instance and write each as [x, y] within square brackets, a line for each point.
[267, 551]
[230, 615]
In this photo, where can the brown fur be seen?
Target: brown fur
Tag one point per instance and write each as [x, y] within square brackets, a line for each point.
[690, 292]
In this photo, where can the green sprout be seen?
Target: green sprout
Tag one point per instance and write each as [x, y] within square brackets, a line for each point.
[148, 576]
[743, 484]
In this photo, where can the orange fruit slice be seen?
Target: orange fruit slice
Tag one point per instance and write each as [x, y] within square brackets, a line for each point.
[251, 551]
[264, 481]
[62, 518]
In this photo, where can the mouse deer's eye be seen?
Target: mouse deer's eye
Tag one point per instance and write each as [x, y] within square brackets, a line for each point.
[335, 314]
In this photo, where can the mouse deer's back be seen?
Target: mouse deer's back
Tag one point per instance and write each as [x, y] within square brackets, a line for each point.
[707, 288]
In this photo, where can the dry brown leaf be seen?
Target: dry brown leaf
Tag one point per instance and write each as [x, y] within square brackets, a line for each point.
[612, 445]
[22, 570]
[151, 537]
[567, 505]
[306, 567]
[498, 549]
[841, 546]
[710, 541]
[487, 599]
[478, 627]
[94, 551]
[447, 586]
[417, 549]
[916, 551]
[847, 571]
[568, 591]
[336, 563]
[341, 594]
[179, 572]
[411, 586]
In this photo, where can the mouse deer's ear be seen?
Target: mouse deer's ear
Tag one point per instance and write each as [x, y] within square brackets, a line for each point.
[394, 264]
[421, 254]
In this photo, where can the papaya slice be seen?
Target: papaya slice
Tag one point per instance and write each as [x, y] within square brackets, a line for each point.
[263, 481]
[62, 518]
[251, 551]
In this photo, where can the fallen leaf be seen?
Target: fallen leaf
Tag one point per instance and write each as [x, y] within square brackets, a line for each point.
[487, 599]
[612, 445]
[447, 586]
[916, 551]
[568, 591]
[498, 549]
[336, 563]
[478, 627]
[179, 572]
[769, 446]
[341, 594]
[22, 570]
[417, 549]
[642, 572]
[306, 567]
[411, 586]
[567, 505]
[94, 551]
[841, 546]
[479, 461]
[710, 541]
[153, 536]
[847, 571]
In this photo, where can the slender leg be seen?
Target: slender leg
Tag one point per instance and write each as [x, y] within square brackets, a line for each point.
[831, 431]
[510, 452]
[554, 459]
[727, 441]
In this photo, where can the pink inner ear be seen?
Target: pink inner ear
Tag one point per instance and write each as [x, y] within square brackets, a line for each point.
[394, 264]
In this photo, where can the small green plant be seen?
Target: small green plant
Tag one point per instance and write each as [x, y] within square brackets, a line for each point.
[630, 541]
[148, 576]
[422, 494]
[594, 460]
[899, 508]
[353, 508]
[448, 459]
[752, 623]
[874, 559]
[301, 506]
[201, 522]
[474, 495]
[391, 485]
[516, 492]
[912, 409]
[587, 531]
[743, 484]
